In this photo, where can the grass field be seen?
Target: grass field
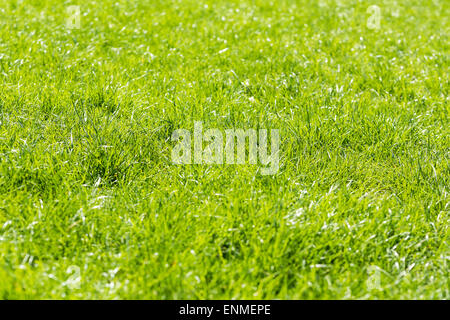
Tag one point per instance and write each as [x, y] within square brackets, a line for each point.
[91, 205]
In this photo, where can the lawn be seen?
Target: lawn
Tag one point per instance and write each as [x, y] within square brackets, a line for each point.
[93, 207]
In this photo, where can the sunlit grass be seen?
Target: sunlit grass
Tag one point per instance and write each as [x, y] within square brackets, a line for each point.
[87, 183]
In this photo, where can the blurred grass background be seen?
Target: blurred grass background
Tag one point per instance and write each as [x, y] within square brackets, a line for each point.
[92, 207]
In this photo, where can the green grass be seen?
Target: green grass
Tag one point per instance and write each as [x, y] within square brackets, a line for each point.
[87, 182]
